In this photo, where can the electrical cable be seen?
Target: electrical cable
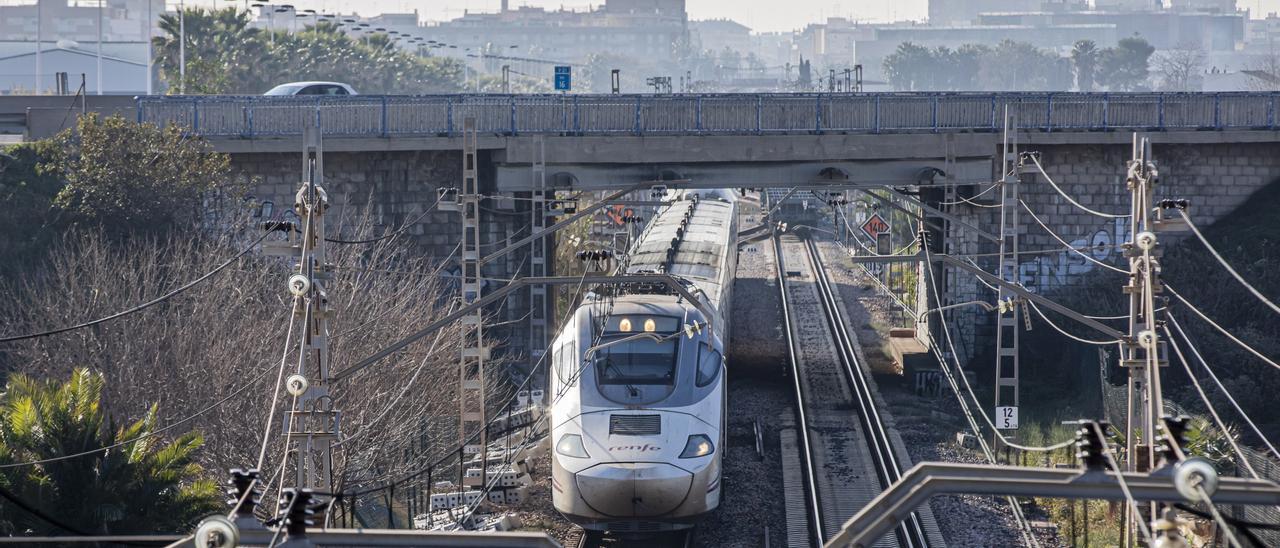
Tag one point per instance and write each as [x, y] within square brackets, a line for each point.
[1217, 516]
[152, 433]
[450, 455]
[1224, 262]
[37, 513]
[142, 306]
[946, 330]
[975, 197]
[1046, 319]
[1222, 329]
[1213, 412]
[440, 196]
[1055, 186]
[1195, 352]
[945, 365]
[1067, 245]
[1124, 485]
[1239, 523]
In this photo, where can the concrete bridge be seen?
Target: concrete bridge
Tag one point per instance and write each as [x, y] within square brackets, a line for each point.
[393, 153]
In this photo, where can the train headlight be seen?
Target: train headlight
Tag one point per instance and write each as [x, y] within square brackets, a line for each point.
[571, 446]
[698, 445]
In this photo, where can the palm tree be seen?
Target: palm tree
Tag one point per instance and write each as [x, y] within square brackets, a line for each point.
[142, 486]
[1084, 57]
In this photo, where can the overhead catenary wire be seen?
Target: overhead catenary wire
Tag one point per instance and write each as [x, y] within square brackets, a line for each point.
[1213, 412]
[1067, 245]
[1226, 393]
[1124, 485]
[1064, 332]
[153, 433]
[1221, 329]
[1036, 161]
[426, 211]
[7, 495]
[1213, 251]
[143, 306]
[946, 330]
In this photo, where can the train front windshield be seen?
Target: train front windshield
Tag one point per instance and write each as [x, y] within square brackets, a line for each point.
[634, 357]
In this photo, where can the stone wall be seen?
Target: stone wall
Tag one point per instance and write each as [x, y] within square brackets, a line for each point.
[395, 187]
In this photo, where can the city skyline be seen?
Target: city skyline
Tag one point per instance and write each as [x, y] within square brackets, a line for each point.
[759, 15]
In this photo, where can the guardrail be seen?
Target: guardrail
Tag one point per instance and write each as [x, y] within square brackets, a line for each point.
[775, 113]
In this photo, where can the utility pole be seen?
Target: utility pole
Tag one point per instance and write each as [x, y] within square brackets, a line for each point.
[313, 423]
[1139, 353]
[538, 305]
[1007, 363]
[471, 377]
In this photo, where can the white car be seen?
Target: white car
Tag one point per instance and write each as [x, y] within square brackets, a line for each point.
[312, 88]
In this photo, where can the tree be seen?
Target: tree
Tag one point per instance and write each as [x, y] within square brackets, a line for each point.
[144, 486]
[1084, 61]
[908, 67]
[1126, 67]
[122, 176]
[964, 65]
[1180, 68]
[226, 55]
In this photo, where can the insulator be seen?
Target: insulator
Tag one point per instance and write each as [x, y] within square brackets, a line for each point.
[296, 510]
[1173, 437]
[242, 482]
[1090, 446]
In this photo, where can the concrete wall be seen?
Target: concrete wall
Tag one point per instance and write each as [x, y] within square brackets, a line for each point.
[41, 116]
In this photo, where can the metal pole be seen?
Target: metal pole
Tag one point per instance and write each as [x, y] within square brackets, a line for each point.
[150, 23]
[39, 44]
[100, 2]
[182, 47]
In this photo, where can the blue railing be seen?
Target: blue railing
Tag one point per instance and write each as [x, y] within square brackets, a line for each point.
[771, 113]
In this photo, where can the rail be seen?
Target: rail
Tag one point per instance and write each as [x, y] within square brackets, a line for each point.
[708, 114]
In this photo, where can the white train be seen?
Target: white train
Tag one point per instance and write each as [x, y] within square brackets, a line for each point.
[638, 425]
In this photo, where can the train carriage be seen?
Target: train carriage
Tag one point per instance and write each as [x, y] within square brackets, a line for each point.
[638, 397]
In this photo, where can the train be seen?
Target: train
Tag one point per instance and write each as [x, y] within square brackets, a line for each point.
[638, 382]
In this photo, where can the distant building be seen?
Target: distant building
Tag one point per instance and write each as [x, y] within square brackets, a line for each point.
[122, 20]
[121, 75]
[719, 34]
[963, 12]
[1210, 31]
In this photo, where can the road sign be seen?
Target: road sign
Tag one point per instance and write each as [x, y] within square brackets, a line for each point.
[1007, 418]
[564, 78]
[874, 225]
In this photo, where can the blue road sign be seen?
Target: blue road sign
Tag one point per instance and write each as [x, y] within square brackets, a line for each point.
[564, 78]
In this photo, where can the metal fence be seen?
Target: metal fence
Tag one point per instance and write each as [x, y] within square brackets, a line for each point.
[773, 113]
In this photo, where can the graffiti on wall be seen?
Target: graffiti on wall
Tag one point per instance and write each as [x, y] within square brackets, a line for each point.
[1041, 273]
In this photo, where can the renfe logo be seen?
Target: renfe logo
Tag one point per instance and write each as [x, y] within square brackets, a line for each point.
[645, 447]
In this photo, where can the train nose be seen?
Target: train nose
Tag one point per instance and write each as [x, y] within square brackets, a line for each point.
[640, 489]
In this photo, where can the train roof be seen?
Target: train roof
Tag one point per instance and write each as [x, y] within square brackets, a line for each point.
[702, 244]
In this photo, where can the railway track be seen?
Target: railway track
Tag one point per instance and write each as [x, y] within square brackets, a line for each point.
[595, 539]
[846, 453]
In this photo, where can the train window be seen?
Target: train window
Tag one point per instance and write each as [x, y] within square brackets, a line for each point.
[637, 361]
[709, 361]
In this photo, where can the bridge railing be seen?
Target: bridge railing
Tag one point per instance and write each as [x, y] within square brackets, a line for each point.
[774, 113]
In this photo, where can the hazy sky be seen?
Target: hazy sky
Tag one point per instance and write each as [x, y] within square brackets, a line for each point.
[760, 15]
